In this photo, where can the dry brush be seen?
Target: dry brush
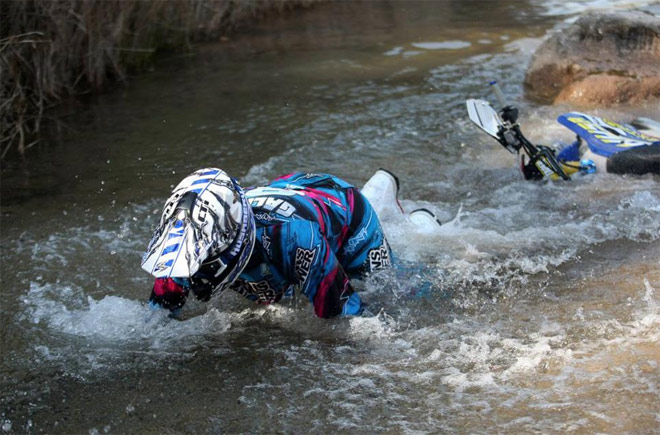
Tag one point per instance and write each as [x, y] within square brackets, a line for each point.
[53, 49]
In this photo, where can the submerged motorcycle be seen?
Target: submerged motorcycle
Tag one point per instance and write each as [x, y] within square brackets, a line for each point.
[600, 145]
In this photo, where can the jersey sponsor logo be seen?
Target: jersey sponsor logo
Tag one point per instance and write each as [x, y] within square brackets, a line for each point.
[268, 191]
[273, 204]
[354, 242]
[379, 258]
[304, 260]
[266, 243]
[261, 290]
[263, 217]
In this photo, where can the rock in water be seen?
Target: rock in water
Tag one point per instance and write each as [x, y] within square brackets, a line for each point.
[601, 59]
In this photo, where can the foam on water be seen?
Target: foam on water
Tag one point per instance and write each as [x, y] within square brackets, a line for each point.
[558, 7]
[643, 327]
[449, 365]
[529, 229]
[442, 45]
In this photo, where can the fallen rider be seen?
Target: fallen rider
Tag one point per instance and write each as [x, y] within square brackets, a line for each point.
[310, 233]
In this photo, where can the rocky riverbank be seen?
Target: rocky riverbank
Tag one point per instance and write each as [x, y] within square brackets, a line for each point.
[600, 60]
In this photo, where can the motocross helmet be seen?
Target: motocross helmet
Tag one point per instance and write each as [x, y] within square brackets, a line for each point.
[207, 221]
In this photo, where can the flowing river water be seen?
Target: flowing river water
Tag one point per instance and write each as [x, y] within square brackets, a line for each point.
[535, 308]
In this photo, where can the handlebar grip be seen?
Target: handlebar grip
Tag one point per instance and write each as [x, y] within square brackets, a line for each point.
[498, 93]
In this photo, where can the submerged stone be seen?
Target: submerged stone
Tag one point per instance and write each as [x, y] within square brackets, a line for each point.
[601, 59]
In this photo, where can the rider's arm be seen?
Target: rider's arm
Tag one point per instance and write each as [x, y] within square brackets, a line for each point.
[311, 264]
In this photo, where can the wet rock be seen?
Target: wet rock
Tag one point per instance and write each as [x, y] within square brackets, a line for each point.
[601, 59]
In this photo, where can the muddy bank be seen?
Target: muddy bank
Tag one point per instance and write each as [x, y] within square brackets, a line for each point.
[53, 49]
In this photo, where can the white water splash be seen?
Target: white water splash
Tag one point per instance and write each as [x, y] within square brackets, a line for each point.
[65, 310]
[442, 45]
[558, 7]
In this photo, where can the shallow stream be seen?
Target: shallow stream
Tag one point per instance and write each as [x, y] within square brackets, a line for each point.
[535, 308]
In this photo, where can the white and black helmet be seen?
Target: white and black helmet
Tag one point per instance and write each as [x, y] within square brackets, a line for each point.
[206, 220]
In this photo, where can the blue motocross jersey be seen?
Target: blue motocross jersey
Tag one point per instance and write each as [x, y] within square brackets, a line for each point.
[314, 232]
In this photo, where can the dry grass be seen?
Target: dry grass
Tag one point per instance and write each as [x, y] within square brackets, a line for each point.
[52, 49]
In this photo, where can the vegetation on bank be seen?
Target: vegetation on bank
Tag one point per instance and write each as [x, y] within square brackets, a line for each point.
[53, 49]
